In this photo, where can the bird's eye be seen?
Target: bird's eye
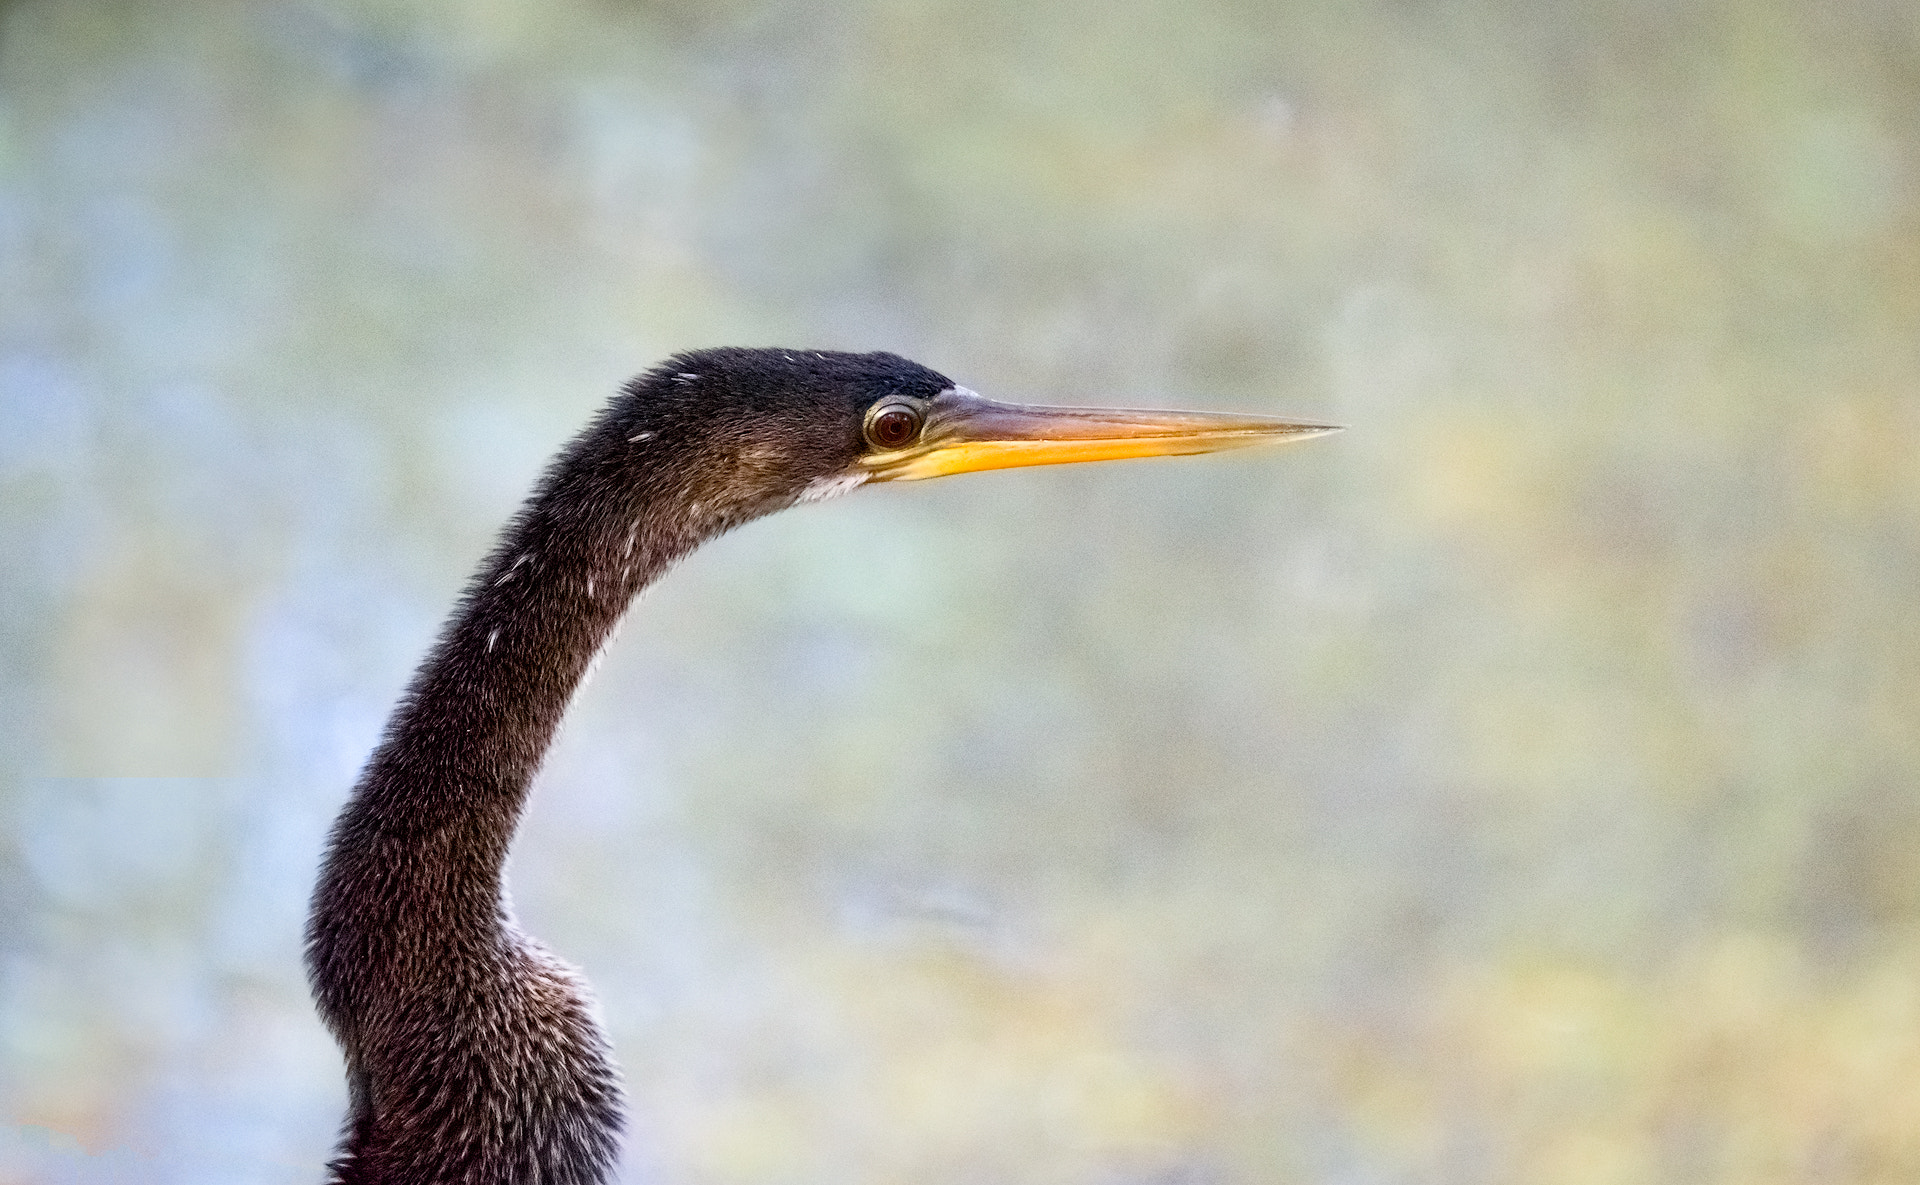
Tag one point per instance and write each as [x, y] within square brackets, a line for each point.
[893, 425]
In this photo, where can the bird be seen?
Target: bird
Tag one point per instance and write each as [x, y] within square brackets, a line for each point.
[473, 1054]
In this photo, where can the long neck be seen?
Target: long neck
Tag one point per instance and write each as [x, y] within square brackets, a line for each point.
[419, 849]
[463, 746]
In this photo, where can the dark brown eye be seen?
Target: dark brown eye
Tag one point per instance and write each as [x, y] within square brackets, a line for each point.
[893, 425]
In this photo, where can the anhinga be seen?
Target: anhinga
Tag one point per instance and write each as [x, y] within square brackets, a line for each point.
[473, 1055]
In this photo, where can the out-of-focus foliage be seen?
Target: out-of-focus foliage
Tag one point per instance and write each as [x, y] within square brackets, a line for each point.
[1523, 787]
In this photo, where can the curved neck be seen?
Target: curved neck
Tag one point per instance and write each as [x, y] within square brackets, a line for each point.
[481, 712]
[441, 797]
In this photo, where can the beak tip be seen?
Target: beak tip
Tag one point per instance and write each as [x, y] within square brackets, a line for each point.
[1309, 431]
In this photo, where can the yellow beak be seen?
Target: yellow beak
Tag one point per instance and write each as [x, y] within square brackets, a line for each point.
[965, 433]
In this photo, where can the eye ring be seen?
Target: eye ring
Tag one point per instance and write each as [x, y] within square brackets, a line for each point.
[893, 425]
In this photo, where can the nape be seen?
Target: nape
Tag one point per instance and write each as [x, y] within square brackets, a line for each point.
[473, 1055]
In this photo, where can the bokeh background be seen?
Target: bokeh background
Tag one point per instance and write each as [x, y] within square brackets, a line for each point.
[1521, 787]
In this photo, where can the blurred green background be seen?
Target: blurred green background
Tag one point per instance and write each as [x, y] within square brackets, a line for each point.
[1521, 787]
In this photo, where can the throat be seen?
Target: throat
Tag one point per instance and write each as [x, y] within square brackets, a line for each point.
[822, 488]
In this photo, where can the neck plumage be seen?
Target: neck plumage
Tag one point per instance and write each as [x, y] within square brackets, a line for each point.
[414, 866]
[472, 1053]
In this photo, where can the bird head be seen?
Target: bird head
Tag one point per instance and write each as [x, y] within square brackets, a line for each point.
[747, 431]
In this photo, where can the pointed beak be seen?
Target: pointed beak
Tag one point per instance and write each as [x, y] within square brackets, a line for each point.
[965, 433]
